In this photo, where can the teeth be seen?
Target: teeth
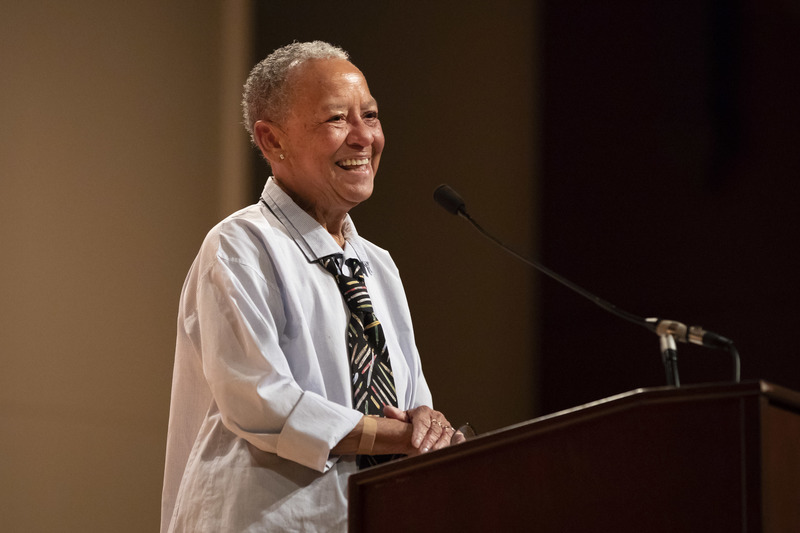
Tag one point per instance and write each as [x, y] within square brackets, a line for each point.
[353, 162]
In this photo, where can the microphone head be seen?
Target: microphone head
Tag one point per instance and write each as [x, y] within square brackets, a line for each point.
[449, 199]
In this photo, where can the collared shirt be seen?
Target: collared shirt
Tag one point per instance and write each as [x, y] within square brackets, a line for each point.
[261, 390]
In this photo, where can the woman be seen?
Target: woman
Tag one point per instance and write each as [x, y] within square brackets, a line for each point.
[270, 411]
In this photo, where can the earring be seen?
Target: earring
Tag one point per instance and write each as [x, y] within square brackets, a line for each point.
[282, 158]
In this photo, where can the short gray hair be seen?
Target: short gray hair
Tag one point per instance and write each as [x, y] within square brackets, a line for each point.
[266, 93]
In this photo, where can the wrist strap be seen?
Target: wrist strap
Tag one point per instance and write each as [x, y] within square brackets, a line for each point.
[368, 433]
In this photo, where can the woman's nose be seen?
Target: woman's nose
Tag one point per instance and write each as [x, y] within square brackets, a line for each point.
[361, 133]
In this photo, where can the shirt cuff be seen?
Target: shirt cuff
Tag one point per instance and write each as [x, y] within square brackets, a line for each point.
[313, 428]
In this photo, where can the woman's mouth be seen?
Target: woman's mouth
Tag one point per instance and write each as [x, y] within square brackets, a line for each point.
[353, 164]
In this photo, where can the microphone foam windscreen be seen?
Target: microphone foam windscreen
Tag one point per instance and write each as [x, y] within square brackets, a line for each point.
[449, 199]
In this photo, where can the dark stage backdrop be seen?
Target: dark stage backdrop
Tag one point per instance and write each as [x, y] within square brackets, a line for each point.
[671, 166]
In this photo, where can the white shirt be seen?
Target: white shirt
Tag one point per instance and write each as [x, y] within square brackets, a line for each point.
[261, 389]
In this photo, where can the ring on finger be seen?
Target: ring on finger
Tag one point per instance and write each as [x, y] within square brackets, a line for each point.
[444, 428]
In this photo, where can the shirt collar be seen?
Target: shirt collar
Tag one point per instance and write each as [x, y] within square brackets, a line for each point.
[313, 240]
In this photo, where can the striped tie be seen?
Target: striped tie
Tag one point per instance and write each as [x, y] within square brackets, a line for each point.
[372, 379]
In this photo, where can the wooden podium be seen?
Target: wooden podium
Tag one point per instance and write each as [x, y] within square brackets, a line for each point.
[711, 458]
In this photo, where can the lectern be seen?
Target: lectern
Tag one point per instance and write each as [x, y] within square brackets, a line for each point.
[708, 458]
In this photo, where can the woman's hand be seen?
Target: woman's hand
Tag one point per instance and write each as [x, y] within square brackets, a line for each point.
[430, 429]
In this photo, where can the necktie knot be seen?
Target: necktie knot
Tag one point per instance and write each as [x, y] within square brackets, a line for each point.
[353, 288]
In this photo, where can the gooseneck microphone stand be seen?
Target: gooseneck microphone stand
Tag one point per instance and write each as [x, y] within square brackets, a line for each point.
[668, 330]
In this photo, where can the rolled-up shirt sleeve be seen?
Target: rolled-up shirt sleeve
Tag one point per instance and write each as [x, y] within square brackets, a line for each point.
[240, 330]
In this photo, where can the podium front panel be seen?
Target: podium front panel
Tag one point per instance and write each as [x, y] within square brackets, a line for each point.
[651, 460]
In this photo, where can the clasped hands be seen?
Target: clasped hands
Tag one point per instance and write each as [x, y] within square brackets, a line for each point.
[413, 432]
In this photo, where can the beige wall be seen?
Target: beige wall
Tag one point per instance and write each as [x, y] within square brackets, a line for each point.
[109, 163]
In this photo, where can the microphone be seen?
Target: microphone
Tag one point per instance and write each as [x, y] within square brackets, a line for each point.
[452, 202]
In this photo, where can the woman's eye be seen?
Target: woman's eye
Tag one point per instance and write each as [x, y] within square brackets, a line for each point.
[373, 115]
[336, 118]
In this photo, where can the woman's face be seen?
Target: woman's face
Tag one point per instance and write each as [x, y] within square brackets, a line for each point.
[332, 139]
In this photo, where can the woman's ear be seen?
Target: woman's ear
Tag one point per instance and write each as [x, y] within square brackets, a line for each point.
[267, 136]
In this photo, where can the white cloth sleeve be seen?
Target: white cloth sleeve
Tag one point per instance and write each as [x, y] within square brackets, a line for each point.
[238, 321]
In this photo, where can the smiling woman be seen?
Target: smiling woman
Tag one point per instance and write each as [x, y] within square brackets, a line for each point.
[325, 153]
[295, 362]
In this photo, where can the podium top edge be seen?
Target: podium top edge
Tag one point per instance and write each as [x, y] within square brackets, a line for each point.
[774, 393]
[780, 395]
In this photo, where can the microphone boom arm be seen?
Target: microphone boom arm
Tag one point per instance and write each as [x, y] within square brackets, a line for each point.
[611, 308]
[452, 202]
